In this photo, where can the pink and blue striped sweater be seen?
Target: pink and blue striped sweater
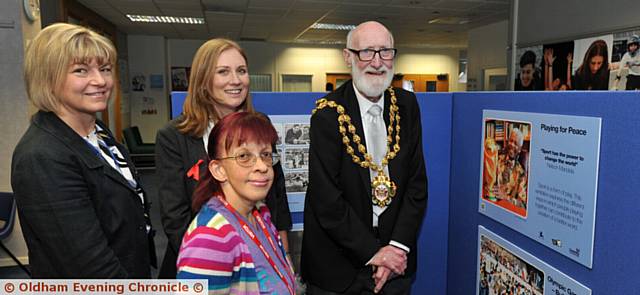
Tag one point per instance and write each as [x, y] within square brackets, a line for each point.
[215, 248]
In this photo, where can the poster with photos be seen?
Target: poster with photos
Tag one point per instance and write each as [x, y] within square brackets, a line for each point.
[504, 268]
[293, 147]
[625, 61]
[539, 176]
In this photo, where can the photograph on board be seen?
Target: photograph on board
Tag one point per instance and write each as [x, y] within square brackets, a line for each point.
[502, 272]
[505, 171]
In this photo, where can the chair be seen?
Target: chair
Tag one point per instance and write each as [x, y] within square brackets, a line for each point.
[8, 215]
[142, 154]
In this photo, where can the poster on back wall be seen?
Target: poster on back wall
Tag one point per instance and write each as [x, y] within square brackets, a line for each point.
[504, 268]
[625, 61]
[556, 65]
[590, 67]
[539, 176]
[529, 74]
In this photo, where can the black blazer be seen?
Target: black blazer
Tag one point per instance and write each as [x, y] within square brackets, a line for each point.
[338, 238]
[79, 216]
[176, 154]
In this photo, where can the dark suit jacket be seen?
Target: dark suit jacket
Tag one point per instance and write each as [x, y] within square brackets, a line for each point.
[176, 153]
[79, 216]
[338, 237]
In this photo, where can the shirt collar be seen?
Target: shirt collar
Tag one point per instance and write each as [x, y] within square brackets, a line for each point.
[365, 104]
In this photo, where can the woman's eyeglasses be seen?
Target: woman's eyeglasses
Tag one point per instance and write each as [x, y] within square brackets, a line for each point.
[248, 160]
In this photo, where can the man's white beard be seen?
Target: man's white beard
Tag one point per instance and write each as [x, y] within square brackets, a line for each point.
[371, 86]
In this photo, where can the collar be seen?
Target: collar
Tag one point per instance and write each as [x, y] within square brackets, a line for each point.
[364, 103]
[205, 136]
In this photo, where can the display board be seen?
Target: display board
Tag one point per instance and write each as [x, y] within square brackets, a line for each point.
[615, 264]
[436, 109]
[539, 176]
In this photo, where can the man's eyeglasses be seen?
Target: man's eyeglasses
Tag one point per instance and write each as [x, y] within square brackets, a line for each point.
[368, 54]
[248, 160]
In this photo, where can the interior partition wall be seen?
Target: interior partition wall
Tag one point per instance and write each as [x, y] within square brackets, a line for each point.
[452, 143]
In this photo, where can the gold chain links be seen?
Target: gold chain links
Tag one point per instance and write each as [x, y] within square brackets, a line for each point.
[344, 124]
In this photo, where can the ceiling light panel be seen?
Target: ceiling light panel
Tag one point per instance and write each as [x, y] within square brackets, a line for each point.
[166, 19]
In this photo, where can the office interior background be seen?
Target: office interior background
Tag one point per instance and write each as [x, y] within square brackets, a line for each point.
[444, 45]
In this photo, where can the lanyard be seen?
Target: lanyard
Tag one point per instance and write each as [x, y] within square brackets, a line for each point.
[254, 238]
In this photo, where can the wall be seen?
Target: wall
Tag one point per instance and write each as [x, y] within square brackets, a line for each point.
[547, 21]
[431, 61]
[15, 109]
[147, 56]
[487, 49]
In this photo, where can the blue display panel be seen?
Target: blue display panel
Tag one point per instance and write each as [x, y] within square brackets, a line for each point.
[539, 176]
[615, 263]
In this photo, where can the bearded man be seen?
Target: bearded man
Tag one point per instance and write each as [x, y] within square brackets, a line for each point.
[367, 189]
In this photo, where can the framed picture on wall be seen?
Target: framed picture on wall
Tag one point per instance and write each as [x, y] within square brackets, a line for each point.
[180, 78]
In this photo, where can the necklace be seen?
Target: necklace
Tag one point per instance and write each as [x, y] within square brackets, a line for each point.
[382, 188]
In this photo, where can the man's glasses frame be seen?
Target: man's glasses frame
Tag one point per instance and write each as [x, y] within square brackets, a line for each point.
[369, 54]
[248, 160]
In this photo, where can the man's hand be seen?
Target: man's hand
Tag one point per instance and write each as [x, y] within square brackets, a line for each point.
[393, 258]
[381, 276]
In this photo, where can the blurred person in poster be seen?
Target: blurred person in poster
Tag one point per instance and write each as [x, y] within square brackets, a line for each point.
[218, 86]
[364, 205]
[529, 77]
[82, 210]
[512, 173]
[557, 75]
[294, 135]
[593, 73]
[630, 62]
[232, 241]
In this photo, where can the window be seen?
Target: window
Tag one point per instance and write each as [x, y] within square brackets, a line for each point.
[296, 83]
[260, 82]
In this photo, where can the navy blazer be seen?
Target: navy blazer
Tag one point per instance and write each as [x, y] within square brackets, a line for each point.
[338, 238]
[79, 216]
[176, 154]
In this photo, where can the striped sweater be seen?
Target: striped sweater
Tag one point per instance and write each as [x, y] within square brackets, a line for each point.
[215, 248]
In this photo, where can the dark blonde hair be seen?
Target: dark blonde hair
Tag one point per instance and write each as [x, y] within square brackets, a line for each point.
[199, 106]
[50, 54]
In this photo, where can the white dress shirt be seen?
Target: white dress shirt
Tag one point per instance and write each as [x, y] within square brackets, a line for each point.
[365, 104]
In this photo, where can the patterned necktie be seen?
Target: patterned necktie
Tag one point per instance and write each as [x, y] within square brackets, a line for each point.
[376, 144]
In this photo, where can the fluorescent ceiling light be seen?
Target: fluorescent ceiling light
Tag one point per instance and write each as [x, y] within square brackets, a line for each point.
[336, 27]
[166, 19]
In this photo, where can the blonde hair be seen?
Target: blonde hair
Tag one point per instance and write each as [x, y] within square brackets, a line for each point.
[199, 105]
[50, 54]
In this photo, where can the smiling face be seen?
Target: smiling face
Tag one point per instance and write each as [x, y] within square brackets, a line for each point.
[372, 77]
[230, 85]
[526, 75]
[86, 89]
[514, 145]
[243, 186]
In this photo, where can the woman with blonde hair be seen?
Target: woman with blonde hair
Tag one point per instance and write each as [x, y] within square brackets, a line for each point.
[82, 210]
[218, 86]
